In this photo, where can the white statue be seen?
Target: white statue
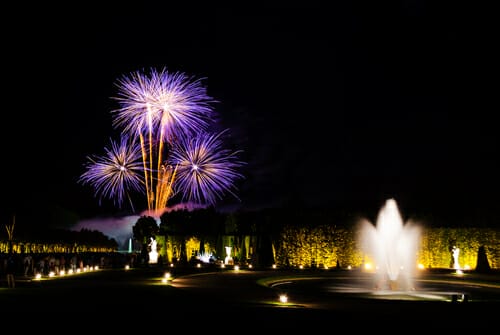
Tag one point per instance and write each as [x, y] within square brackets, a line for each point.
[455, 251]
[153, 254]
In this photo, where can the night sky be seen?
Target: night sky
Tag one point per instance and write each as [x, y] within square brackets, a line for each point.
[339, 107]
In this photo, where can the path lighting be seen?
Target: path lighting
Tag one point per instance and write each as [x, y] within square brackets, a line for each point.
[166, 277]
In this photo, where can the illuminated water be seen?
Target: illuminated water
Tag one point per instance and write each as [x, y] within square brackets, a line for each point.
[392, 245]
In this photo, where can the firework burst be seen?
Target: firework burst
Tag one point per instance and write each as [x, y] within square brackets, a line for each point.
[160, 107]
[117, 173]
[168, 104]
[205, 169]
[168, 114]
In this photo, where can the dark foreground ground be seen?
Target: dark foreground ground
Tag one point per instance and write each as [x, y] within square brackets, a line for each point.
[120, 300]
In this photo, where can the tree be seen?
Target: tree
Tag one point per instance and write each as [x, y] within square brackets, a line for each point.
[144, 229]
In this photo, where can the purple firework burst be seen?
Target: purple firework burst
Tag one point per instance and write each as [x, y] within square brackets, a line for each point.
[167, 114]
[168, 104]
[205, 170]
[116, 173]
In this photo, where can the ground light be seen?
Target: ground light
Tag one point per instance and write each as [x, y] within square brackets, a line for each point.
[63, 273]
[166, 277]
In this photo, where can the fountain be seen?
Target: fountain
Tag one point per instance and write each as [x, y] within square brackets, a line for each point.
[228, 259]
[392, 245]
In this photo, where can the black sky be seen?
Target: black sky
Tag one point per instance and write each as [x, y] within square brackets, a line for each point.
[341, 106]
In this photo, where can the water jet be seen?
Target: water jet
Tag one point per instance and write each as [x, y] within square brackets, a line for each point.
[392, 245]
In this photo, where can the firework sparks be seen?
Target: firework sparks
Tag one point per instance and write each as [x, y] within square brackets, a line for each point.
[116, 173]
[206, 170]
[167, 104]
[168, 114]
[160, 107]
